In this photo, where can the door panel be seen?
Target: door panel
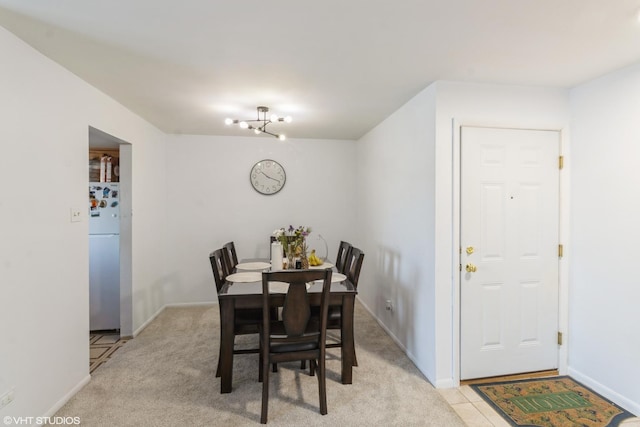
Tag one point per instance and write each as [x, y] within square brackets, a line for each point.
[510, 217]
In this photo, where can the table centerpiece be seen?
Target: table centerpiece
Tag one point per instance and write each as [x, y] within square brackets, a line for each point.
[294, 244]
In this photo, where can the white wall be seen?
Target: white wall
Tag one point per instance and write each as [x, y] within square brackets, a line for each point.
[407, 214]
[605, 286]
[192, 194]
[396, 226]
[486, 105]
[211, 202]
[44, 313]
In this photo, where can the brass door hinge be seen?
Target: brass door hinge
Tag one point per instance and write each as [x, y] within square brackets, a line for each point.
[560, 251]
[560, 162]
[559, 338]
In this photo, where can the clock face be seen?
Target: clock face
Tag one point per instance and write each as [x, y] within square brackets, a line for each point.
[267, 177]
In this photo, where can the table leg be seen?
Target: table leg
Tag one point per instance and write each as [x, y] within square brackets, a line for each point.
[347, 339]
[226, 344]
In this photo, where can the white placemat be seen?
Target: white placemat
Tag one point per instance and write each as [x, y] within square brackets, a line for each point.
[323, 266]
[281, 287]
[245, 277]
[338, 277]
[258, 265]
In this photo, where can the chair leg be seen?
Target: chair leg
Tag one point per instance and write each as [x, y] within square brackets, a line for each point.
[303, 364]
[322, 385]
[218, 368]
[355, 359]
[312, 367]
[265, 392]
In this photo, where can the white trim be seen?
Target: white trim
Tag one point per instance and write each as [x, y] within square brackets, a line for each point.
[192, 304]
[564, 234]
[55, 408]
[399, 344]
[60, 403]
[148, 321]
[629, 405]
[177, 304]
[455, 245]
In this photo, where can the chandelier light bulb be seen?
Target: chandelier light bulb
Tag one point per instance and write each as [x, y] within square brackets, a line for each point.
[259, 124]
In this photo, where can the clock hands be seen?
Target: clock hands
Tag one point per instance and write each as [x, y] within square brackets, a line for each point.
[277, 180]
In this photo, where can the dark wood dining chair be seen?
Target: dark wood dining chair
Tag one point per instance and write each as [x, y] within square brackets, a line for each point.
[298, 336]
[230, 247]
[353, 265]
[343, 254]
[247, 320]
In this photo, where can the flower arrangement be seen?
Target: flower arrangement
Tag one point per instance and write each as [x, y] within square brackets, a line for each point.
[293, 240]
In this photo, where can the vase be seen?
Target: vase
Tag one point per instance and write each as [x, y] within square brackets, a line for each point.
[291, 257]
[305, 261]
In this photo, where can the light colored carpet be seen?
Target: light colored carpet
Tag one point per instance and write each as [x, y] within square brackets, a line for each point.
[166, 377]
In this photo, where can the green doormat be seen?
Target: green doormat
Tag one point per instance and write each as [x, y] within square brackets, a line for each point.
[550, 402]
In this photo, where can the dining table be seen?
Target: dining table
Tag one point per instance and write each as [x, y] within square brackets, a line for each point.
[248, 294]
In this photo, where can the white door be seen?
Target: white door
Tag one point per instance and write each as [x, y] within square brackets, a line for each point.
[509, 223]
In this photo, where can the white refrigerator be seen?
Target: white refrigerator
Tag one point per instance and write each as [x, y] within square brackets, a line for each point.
[104, 256]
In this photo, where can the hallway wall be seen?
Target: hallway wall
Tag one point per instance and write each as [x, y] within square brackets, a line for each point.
[44, 257]
[406, 216]
[604, 343]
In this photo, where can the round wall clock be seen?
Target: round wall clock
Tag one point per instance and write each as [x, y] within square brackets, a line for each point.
[267, 177]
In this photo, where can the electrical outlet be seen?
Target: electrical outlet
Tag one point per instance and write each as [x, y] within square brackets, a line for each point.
[6, 398]
[389, 305]
[76, 215]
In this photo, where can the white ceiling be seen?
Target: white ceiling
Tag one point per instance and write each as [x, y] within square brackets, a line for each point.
[339, 67]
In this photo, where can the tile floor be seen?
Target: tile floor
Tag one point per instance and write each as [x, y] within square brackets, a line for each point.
[475, 412]
[102, 345]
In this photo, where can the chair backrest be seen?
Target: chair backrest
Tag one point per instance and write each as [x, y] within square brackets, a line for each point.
[219, 266]
[343, 254]
[296, 311]
[232, 255]
[354, 265]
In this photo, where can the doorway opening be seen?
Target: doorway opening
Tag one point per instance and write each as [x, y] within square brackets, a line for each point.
[110, 236]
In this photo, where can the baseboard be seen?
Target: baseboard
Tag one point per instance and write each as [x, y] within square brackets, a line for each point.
[148, 321]
[626, 403]
[445, 383]
[60, 403]
[178, 304]
[383, 326]
[192, 304]
[55, 408]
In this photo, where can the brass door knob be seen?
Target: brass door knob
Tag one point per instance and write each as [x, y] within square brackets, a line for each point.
[471, 268]
[470, 250]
